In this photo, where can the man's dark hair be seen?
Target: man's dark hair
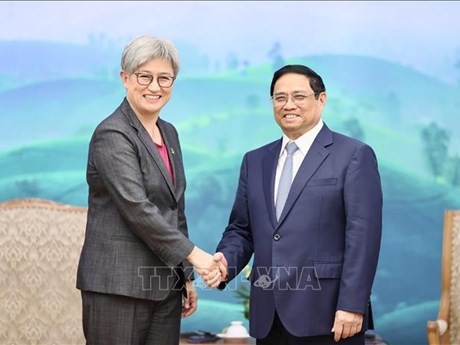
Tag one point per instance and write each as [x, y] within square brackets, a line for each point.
[316, 82]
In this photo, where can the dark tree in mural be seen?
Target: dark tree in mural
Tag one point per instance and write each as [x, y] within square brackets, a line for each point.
[353, 128]
[232, 61]
[457, 66]
[275, 55]
[29, 187]
[253, 101]
[393, 104]
[244, 67]
[436, 142]
[453, 173]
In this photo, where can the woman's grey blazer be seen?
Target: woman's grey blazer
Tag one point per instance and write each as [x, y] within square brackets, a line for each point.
[136, 235]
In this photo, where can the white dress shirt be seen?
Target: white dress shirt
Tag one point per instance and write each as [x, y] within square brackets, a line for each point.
[304, 143]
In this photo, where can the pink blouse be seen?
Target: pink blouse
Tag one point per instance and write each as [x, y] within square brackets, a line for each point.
[164, 154]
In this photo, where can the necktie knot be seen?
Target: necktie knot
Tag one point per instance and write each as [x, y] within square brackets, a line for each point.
[291, 147]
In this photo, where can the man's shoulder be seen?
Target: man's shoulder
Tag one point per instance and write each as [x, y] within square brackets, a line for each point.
[347, 146]
[263, 149]
[343, 139]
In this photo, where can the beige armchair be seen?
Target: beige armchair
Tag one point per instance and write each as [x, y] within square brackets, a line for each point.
[40, 243]
[446, 329]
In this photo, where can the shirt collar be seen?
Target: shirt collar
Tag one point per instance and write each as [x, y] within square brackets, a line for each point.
[305, 140]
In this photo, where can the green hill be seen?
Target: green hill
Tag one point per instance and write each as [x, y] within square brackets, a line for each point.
[221, 117]
[375, 91]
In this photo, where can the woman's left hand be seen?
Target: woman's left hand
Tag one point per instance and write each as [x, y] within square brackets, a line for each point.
[189, 303]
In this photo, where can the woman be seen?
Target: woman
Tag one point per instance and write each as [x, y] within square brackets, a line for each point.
[135, 262]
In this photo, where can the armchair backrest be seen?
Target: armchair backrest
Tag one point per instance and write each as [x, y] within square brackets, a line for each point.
[40, 243]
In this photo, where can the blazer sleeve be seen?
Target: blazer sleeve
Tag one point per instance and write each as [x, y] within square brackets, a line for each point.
[115, 157]
[188, 267]
[363, 211]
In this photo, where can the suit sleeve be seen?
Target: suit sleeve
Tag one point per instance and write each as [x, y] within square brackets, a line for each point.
[236, 243]
[116, 160]
[363, 211]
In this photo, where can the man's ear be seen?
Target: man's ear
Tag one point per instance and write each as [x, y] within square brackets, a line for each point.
[322, 98]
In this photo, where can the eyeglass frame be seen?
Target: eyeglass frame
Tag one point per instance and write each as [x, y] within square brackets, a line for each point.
[292, 97]
[158, 78]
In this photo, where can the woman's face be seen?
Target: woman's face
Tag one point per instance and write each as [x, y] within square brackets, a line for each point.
[148, 100]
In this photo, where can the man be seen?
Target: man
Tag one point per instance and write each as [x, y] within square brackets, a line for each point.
[315, 243]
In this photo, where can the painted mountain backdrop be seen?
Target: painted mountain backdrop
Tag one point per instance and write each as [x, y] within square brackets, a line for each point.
[54, 95]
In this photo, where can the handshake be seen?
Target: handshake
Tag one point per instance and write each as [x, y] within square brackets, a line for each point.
[212, 269]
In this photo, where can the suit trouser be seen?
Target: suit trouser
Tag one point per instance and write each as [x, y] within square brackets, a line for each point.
[112, 319]
[280, 336]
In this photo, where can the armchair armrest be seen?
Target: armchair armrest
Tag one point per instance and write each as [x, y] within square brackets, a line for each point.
[438, 331]
[435, 329]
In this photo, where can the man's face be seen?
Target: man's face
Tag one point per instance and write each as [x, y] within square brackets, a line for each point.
[147, 100]
[295, 107]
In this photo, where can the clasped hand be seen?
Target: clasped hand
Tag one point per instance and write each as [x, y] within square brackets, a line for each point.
[217, 271]
[211, 268]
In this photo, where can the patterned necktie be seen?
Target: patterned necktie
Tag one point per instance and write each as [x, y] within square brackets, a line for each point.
[286, 179]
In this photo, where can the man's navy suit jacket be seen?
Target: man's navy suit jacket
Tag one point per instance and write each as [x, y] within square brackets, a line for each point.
[321, 256]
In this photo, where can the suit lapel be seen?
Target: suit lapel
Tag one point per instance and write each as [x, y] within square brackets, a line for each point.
[173, 152]
[149, 144]
[269, 163]
[312, 161]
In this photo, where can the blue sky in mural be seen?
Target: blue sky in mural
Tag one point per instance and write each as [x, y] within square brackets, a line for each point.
[421, 34]
[391, 70]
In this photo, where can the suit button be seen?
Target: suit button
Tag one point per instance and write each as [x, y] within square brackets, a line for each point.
[276, 237]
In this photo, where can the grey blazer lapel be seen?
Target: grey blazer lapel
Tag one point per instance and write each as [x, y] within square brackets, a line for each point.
[174, 155]
[149, 144]
[312, 161]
